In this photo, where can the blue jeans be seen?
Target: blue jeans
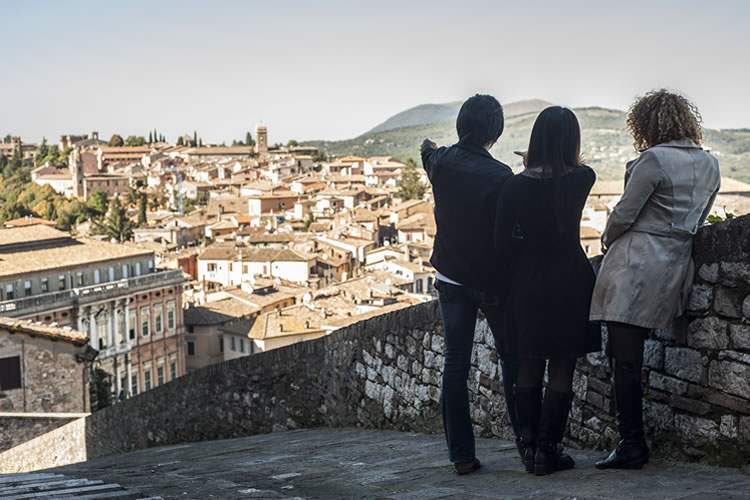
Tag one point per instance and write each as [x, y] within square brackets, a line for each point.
[459, 306]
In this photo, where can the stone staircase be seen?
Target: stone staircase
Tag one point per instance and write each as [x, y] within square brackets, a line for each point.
[60, 486]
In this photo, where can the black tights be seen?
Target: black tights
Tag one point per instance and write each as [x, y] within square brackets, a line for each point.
[531, 374]
[626, 342]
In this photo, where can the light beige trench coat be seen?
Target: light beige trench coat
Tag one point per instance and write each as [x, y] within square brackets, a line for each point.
[647, 270]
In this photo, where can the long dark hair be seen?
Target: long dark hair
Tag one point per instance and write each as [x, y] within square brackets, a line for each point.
[555, 145]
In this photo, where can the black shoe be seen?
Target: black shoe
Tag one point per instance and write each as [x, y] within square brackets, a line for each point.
[551, 459]
[549, 454]
[462, 468]
[627, 455]
[528, 406]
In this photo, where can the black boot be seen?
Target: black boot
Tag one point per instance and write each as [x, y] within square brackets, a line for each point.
[528, 406]
[631, 451]
[549, 452]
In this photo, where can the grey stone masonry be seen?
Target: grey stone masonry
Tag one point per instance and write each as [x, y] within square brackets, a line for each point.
[385, 373]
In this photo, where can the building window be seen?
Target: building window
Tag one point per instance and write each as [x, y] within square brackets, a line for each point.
[158, 326]
[111, 273]
[160, 374]
[61, 282]
[221, 343]
[45, 285]
[125, 271]
[191, 348]
[170, 316]
[234, 347]
[80, 279]
[9, 292]
[10, 373]
[137, 268]
[172, 370]
[147, 379]
[101, 331]
[151, 266]
[131, 325]
[242, 345]
[27, 288]
[211, 267]
[145, 321]
[97, 276]
[134, 384]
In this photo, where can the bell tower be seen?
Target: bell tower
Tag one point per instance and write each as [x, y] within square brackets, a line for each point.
[261, 138]
[76, 172]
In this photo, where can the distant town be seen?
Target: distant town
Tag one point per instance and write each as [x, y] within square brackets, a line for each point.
[150, 260]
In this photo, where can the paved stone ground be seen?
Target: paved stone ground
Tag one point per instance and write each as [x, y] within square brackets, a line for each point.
[352, 463]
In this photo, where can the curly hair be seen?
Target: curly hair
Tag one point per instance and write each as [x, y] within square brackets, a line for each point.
[662, 116]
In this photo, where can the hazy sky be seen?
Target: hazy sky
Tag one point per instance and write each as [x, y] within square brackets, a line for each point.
[334, 69]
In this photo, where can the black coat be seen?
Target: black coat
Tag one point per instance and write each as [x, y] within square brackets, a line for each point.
[547, 310]
[466, 182]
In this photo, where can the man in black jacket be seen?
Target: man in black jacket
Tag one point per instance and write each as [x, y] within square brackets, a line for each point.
[466, 182]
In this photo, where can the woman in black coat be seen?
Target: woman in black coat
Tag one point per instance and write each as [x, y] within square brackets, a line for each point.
[547, 312]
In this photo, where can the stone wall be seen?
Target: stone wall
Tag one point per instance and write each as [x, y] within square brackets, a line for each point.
[385, 373]
[62, 446]
[17, 428]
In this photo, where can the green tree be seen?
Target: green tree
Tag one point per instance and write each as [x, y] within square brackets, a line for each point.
[116, 141]
[73, 213]
[142, 209]
[179, 141]
[100, 389]
[410, 185]
[195, 138]
[134, 140]
[131, 197]
[150, 138]
[320, 156]
[200, 143]
[291, 143]
[118, 225]
[97, 203]
[42, 152]
[249, 139]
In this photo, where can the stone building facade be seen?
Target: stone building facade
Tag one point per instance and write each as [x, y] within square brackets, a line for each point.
[130, 311]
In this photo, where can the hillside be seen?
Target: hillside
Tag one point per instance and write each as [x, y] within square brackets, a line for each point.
[433, 113]
[605, 143]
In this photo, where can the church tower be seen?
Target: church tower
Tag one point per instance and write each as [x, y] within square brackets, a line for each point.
[261, 138]
[76, 172]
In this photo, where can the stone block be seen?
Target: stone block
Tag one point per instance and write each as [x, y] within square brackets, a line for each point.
[437, 343]
[692, 405]
[740, 335]
[728, 302]
[696, 427]
[701, 297]
[658, 415]
[731, 377]
[725, 400]
[733, 274]
[709, 272]
[653, 354]
[664, 333]
[668, 384]
[735, 356]
[728, 426]
[744, 429]
[684, 363]
[708, 333]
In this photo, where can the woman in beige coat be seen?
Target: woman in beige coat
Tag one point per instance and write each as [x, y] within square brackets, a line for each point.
[647, 268]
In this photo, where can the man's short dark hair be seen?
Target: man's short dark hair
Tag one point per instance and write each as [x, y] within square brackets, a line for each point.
[480, 120]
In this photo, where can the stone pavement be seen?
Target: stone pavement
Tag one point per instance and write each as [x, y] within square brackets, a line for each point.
[354, 463]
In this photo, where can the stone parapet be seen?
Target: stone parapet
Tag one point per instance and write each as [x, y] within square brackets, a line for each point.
[385, 373]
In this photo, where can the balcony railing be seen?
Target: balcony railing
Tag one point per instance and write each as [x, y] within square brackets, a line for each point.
[44, 301]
